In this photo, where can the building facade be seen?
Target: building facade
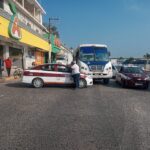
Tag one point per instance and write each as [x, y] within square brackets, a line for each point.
[64, 56]
[22, 33]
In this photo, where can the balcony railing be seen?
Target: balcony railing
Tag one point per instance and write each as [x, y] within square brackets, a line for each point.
[30, 8]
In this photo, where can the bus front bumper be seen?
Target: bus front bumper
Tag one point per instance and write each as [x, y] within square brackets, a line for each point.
[101, 75]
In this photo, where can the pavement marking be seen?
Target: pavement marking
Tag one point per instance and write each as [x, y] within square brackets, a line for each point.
[1, 96]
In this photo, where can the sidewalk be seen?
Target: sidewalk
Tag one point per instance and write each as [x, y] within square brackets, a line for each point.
[6, 79]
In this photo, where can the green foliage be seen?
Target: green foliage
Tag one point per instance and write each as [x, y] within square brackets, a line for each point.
[147, 56]
[129, 60]
[52, 30]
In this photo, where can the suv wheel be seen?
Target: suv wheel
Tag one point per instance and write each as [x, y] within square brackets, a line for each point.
[123, 85]
[146, 86]
[105, 81]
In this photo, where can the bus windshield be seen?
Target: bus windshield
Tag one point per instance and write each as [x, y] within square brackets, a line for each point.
[94, 54]
[87, 54]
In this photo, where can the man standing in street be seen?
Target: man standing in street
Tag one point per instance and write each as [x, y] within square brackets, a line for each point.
[75, 73]
[8, 64]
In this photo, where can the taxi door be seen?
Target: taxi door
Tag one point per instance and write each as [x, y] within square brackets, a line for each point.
[64, 74]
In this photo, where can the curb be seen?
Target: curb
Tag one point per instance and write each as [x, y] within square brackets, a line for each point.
[8, 79]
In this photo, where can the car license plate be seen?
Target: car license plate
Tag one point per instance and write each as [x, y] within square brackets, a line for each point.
[138, 84]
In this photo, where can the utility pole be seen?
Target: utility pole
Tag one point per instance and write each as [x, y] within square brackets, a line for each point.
[51, 19]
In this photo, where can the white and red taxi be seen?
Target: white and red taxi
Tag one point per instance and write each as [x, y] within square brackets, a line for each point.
[53, 74]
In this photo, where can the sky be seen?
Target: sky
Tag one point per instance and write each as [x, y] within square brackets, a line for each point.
[123, 25]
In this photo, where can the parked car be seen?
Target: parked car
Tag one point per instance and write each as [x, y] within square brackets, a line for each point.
[61, 60]
[132, 76]
[114, 69]
[53, 74]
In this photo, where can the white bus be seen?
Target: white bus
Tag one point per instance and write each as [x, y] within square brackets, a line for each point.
[96, 56]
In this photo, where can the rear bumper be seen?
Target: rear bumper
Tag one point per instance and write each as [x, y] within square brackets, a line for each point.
[27, 80]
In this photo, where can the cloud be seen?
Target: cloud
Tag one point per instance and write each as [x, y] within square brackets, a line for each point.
[132, 5]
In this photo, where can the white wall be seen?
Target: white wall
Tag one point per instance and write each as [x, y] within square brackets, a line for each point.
[6, 7]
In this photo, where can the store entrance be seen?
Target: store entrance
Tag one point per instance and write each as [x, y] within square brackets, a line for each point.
[16, 56]
[46, 57]
[1, 52]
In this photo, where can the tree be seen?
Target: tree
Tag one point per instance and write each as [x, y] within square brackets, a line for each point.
[53, 29]
[147, 56]
[129, 60]
[120, 58]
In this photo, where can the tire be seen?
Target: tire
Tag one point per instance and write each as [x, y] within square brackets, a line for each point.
[15, 74]
[105, 81]
[20, 74]
[116, 82]
[123, 84]
[82, 83]
[37, 83]
[146, 86]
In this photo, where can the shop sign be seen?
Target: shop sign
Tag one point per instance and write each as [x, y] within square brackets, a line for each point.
[14, 29]
[39, 58]
[55, 42]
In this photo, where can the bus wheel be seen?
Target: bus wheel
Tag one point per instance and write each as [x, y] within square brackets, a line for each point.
[105, 81]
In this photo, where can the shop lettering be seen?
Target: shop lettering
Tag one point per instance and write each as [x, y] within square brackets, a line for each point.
[14, 29]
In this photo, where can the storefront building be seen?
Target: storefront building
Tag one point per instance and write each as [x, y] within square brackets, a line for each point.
[22, 33]
[64, 56]
[56, 47]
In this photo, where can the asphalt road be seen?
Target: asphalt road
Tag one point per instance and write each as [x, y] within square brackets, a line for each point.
[96, 118]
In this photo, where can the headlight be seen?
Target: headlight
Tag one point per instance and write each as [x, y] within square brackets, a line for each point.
[89, 75]
[147, 78]
[128, 78]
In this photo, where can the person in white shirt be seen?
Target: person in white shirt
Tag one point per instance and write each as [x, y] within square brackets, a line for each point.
[75, 73]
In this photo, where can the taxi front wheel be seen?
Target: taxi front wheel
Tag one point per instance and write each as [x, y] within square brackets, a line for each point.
[82, 83]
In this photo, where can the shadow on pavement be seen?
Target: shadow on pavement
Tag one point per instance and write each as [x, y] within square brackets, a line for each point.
[18, 85]
[23, 85]
[113, 84]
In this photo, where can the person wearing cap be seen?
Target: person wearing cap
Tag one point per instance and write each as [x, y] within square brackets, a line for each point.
[75, 73]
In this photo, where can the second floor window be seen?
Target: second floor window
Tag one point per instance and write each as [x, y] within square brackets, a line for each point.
[19, 1]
